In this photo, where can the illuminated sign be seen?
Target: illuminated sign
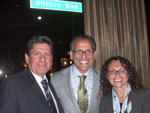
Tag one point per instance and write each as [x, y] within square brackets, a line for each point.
[56, 5]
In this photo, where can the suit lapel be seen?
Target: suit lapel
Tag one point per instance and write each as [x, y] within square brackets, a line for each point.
[110, 103]
[66, 82]
[56, 98]
[95, 88]
[35, 87]
[68, 87]
[135, 102]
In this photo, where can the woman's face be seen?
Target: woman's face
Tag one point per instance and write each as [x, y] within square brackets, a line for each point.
[117, 75]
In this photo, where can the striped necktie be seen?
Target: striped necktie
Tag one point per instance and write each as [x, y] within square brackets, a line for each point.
[49, 97]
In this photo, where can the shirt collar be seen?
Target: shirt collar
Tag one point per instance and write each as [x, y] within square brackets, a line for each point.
[38, 78]
[76, 71]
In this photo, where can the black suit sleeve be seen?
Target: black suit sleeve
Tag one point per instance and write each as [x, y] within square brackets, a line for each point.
[60, 108]
[8, 101]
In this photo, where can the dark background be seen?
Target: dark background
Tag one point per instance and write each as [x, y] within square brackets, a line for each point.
[18, 23]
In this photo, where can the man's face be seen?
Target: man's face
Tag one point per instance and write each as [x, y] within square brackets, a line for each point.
[85, 60]
[40, 59]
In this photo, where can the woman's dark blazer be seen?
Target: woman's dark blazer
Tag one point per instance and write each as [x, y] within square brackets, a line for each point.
[140, 102]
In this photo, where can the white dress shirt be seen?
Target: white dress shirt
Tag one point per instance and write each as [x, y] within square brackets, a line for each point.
[75, 80]
[39, 80]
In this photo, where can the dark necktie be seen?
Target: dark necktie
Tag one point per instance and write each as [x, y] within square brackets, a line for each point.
[82, 95]
[49, 97]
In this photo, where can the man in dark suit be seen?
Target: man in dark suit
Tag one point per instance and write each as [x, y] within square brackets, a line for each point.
[67, 82]
[29, 91]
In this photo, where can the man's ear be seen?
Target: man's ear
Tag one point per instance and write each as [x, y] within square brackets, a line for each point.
[94, 54]
[26, 58]
[71, 55]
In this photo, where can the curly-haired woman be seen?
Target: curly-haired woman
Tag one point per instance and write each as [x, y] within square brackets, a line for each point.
[123, 90]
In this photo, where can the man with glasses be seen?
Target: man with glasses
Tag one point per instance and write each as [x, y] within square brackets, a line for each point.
[77, 86]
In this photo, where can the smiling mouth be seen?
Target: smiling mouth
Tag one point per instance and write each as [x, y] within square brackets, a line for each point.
[118, 80]
[83, 62]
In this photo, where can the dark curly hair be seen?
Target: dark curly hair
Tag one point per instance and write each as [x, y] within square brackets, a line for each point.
[134, 79]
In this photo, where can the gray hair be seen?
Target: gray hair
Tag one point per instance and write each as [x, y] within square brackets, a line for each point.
[84, 37]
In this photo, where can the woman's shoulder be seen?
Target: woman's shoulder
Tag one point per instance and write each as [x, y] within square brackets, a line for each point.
[143, 95]
[145, 92]
[105, 102]
[145, 99]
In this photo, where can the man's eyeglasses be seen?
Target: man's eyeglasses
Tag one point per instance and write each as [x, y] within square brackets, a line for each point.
[80, 52]
[114, 71]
